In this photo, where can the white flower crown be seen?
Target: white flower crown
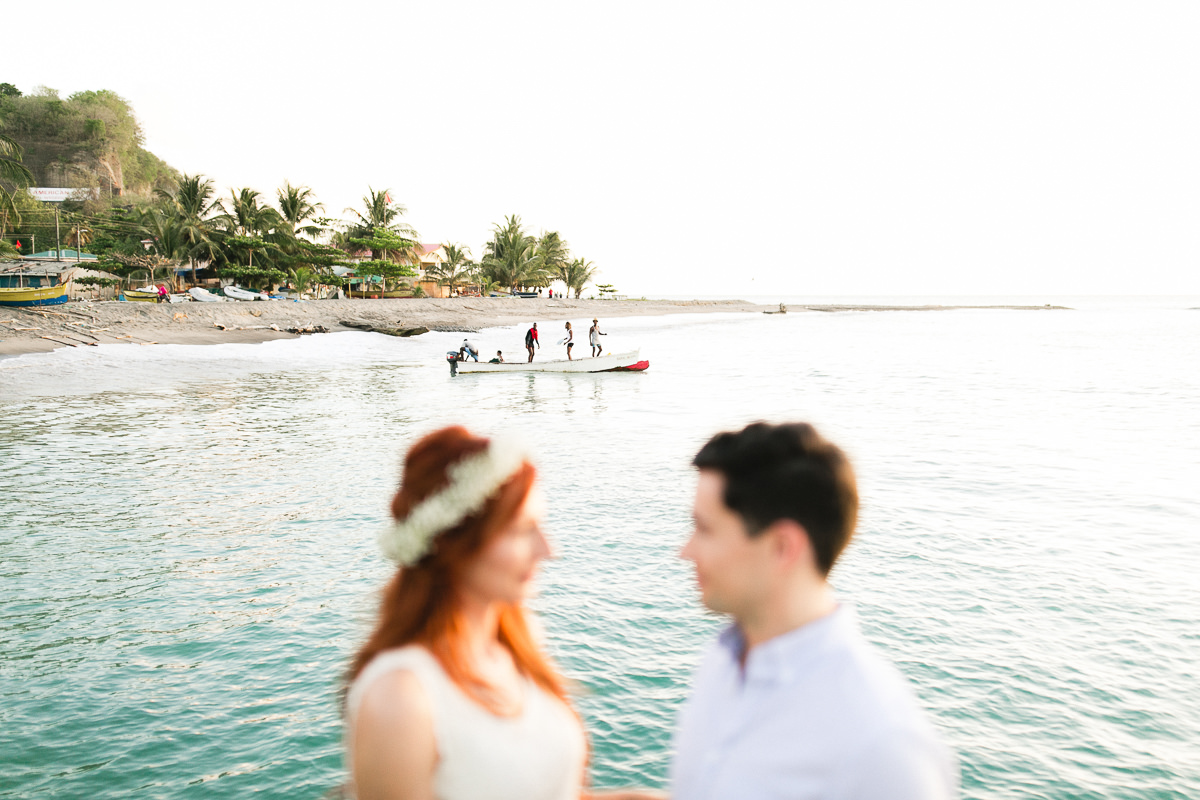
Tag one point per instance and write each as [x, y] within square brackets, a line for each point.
[472, 481]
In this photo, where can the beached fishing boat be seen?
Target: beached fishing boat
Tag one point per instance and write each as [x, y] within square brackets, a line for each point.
[618, 362]
[37, 296]
[204, 295]
[238, 293]
[146, 295]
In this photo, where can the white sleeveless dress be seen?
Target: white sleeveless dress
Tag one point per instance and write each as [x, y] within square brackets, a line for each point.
[537, 755]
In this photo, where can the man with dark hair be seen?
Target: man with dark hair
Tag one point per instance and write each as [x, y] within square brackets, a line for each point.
[531, 339]
[791, 701]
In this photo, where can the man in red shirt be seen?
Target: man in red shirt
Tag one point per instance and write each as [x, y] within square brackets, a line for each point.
[531, 338]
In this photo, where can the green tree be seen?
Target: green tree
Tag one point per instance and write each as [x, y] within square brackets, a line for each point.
[552, 256]
[379, 212]
[392, 255]
[17, 175]
[299, 209]
[457, 267]
[510, 258]
[167, 235]
[577, 274]
[192, 203]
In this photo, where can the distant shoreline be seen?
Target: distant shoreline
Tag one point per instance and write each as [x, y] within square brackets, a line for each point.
[39, 330]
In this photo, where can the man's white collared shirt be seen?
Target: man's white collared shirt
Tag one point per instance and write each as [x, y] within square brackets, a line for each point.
[815, 713]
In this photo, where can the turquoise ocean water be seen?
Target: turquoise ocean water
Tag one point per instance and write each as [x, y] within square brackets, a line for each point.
[187, 538]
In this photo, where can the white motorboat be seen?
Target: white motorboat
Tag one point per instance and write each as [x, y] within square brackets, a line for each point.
[204, 295]
[612, 362]
[237, 293]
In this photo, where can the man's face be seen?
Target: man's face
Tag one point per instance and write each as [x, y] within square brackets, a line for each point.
[733, 571]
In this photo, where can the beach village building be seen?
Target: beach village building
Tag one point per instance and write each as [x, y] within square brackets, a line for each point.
[429, 257]
[49, 269]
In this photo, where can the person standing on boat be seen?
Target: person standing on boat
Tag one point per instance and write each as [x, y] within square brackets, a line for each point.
[531, 339]
[570, 341]
[468, 349]
[594, 335]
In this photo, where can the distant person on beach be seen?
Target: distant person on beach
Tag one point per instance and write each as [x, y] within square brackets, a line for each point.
[468, 349]
[791, 700]
[499, 359]
[594, 335]
[531, 339]
[451, 696]
[570, 341]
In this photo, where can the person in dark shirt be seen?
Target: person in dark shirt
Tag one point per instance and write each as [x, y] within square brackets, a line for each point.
[531, 339]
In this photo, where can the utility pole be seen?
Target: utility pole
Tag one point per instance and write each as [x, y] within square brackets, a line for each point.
[76, 243]
[57, 236]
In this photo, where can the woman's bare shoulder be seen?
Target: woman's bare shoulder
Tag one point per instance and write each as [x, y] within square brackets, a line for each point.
[395, 752]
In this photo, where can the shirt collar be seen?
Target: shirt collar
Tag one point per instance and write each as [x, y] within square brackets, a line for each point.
[782, 658]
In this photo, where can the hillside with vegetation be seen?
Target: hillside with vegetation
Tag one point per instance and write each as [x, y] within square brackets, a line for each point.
[147, 220]
[88, 140]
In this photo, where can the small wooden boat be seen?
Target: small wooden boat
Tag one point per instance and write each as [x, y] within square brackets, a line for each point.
[205, 296]
[618, 362]
[237, 293]
[141, 295]
[34, 296]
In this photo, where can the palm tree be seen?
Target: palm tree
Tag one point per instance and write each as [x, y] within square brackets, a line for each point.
[380, 212]
[577, 274]
[247, 226]
[167, 235]
[11, 168]
[192, 198]
[78, 237]
[297, 206]
[510, 259]
[13, 171]
[552, 255]
[246, 217]
[456, 268]
[193, 207]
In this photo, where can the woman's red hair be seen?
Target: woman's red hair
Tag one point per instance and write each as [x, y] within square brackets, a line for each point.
[421, 603]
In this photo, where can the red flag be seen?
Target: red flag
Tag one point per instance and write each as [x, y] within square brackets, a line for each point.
[388, 198]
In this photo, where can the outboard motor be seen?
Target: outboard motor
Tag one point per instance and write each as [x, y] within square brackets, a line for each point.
[452, 357]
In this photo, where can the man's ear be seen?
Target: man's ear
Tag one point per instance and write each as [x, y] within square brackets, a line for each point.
[791, 542]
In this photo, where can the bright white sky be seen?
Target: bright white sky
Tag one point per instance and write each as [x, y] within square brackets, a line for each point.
[843, 147]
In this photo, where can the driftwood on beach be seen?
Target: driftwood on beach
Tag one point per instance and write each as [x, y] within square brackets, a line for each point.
[363, 325]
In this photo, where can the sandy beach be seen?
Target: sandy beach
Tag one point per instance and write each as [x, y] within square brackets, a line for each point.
[80, 324]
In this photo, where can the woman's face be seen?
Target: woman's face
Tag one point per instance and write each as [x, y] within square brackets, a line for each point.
[505, 568]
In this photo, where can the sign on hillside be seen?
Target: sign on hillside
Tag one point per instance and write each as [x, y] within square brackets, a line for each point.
[50, 195]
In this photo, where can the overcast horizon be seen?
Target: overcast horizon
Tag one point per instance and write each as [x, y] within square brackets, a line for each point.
[863, 149]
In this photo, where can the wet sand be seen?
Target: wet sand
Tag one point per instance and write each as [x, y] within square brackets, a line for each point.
[81, 324]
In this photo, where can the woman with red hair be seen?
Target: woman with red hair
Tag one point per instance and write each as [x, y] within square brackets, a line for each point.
[451, 697]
